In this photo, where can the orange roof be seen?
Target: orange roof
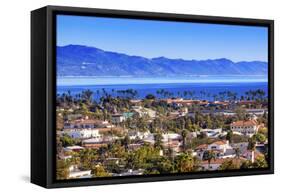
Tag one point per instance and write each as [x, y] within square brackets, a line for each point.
[86, 121]
[221, 160]
[204, 103]
[222, 142]
[247, 102]
[221, 102]
[104, 130]
[202, 146]
[94, 145]
[180, 100]
[244, 123]
[135, 101]
[213, 161]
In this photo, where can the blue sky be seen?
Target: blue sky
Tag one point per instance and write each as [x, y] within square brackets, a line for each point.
[170, 39]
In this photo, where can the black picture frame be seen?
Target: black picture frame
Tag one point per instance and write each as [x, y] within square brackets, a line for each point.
[43, 94]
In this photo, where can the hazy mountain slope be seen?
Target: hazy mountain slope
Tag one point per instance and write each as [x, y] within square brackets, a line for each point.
[77, 60]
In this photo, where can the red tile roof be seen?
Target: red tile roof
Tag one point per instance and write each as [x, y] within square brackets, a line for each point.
[86, 121]
[222, 142]
[213, 161]
[202, 146]
[244, 123]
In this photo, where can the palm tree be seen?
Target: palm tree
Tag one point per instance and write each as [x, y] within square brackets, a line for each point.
[87, 96]
[62, 170]
[158, 140]
[126, 142]
[184, 136]
[251, 144]
[215, 96]
[210, 155]
[186, 163]
[237, 152]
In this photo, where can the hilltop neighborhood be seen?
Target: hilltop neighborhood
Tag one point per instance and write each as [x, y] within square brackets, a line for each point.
[128, 136]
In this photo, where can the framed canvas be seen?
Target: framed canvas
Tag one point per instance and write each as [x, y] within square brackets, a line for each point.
[125, 96]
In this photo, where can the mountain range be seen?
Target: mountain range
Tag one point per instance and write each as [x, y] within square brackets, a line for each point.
[78, 60]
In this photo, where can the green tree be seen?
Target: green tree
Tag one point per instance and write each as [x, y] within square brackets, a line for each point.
[150, 97]
[260, 162]
[62, 170]
[237, 152]
[229, 136]
[210, 156]
[252, 144]
[263, 131]
[184, 134]
[126, 142]
[230, 165]
[209, 122]
[99, 171]
[259, 137]
[66, 140]
[186, 163]
[87, 96]
[158, 140]
[87, 156]
[246, 164]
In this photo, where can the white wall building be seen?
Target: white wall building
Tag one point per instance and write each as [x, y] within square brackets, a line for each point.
[138, 134]
[117, 118]
[248, 128]
[81, 124]
[214, 164]
[171, 136]
[144, 111]
[219, 145]
[211, 132]
[82, 133]
[74, 172]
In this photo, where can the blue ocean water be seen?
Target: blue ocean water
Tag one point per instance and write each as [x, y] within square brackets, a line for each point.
[200, 89]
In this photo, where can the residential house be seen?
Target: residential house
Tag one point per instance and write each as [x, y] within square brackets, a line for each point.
[82, 133]
[82, 124]
[130, 172]
[73, 116]
[251, 155]
[117, 118]
[221, 145]
[141, 111]
[221, 149]
[134, 134]
[200, 150]
[212, 133]
[75, 172]
[74, 148]
[215, 163]
[96, 143]
[248, 128]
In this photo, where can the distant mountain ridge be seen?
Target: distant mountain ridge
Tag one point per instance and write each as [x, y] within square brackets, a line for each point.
[78, 60]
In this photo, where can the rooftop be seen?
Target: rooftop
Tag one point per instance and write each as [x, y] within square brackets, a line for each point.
[244, 123]
[222, 142]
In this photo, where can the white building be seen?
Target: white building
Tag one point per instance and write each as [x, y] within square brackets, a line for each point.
[248, 128]
[81, 124]
[117, 118]
[137, 134]
[82, 133]
[144, 111]
[213, 165]
[74, 148]
[74, 172]
[219, 146]
[212, 132]
[171, 136]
